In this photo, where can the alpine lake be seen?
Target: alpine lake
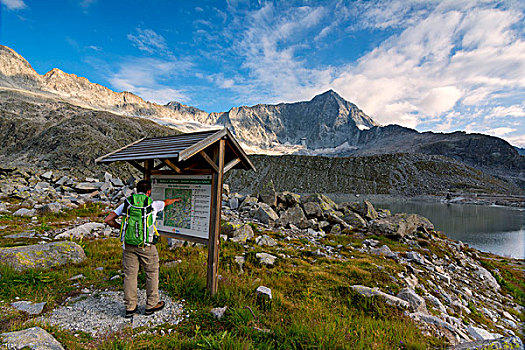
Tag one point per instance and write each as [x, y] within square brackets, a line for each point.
[494, 229]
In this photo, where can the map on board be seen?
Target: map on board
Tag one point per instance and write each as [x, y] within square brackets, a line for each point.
[178, 214]
[191, 215]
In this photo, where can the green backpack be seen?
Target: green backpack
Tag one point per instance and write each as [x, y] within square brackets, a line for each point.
[137, 226]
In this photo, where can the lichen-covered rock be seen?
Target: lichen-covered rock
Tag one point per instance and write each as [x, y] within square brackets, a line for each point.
[29, 307]
[84, 230]
[354, 219]
[294, 216]
[401, 225]
[42, 255]
[267, 194]
[487, 277]
[265, 214]
[324, 202]
[417, 303]
[265, 240]
[389, 299]
[368, 211]
[313, 210]
[242, 233]
[509, 343]
[33, 338]
[265, 258]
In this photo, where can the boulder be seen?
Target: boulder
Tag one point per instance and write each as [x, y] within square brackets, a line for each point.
[264, 292]
[117, 182]
[480, 334]
[25, 212]
[242, 233]
[487, 278]
[354, 219]
[389, 299]
[416, 257]
[293, 216]
[265, 258]
[417, 303]
[267, 194]
[334, 219]
[265, 214]
[290, 199]
[84, 230]
[265, 240]
[248, 203]
[51, 208]
[324, 202]
[42, 255]
[47, 175]
[233, 203]
[500, 343]
[218, 312]
[401, 225]
[29, 307]
[31, 338]
[87, 187]
[383, 251]
[313, 210]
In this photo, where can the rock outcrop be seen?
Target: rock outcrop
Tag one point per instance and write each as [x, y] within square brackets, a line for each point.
[42, 255]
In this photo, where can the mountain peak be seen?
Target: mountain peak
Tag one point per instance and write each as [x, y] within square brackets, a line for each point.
[328, 94]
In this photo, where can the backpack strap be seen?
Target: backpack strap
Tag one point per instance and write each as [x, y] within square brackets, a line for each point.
[125, 211]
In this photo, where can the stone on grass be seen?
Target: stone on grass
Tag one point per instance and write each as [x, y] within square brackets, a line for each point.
[32, 338]
[51, 208]
[25, 234]
[417, 303]
[265, 258]
[242, 233]
[42, 255]
[25, 212]
[481, 334]
[383, 251]
[83, 230]
[487, 278]
[389, 299]
[401, 225]
[218, 312]
[29, 307]
[264, 292]
[265, 240]
[416, 257]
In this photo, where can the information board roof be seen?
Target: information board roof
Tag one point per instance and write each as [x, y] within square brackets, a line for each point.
[179, 148]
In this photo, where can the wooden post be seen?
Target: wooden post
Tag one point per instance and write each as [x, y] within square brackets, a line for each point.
[148, 165]
[215, 220]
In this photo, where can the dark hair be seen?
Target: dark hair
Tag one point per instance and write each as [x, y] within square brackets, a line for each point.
[143, 186]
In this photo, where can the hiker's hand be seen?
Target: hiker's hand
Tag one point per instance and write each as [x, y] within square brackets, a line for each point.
[172, 200]
[110, 220]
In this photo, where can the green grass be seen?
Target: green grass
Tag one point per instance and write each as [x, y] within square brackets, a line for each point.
[312, 306]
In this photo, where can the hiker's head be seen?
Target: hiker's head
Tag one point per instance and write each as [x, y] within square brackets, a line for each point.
[143, 186]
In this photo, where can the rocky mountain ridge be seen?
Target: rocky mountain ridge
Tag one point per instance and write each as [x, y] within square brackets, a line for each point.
[331, 122]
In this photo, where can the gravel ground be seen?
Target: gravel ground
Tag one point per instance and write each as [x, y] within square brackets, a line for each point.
[103, 312]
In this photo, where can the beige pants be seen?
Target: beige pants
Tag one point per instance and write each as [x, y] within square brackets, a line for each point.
[148, 258]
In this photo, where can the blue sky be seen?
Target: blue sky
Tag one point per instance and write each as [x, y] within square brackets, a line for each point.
[429, 65]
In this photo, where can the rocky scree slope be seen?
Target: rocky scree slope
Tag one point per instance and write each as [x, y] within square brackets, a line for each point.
[42, 132]
[396, 174]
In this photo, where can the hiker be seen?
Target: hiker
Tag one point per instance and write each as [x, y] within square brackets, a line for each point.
[139, 211]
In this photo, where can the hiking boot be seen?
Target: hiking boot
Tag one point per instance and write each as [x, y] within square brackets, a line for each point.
[130, 313]
[158, 307]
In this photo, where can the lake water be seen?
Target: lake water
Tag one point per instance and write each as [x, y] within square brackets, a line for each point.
[494, 229]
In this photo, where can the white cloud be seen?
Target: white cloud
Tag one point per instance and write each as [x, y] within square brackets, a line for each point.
[14, 4]
[442, 59]
[149, 41]
[94, 48]
[86, 3]
[500, 131]
[150, 78]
